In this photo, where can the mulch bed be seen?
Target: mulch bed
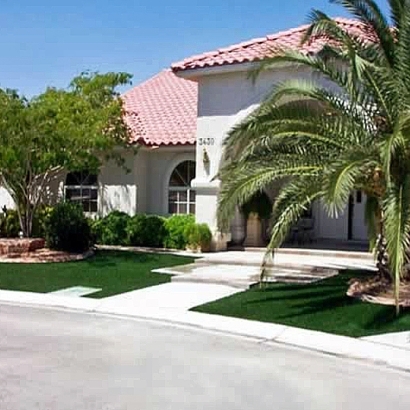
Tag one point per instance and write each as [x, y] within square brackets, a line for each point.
[33, 250]
[44, 256]
[375, 290]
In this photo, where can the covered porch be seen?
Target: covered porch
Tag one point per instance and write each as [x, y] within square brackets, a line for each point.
[314, 230]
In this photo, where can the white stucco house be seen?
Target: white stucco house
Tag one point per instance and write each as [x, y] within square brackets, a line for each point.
[181, 117]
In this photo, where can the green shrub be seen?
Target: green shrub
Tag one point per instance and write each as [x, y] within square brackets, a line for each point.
[175, 228]
[95, 229]
[198, 237]
[146, 230]
[9, 223]
[43, 212]
[67, 228]
[112, 229]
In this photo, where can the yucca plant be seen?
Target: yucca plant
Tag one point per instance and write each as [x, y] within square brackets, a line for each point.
[321, 143]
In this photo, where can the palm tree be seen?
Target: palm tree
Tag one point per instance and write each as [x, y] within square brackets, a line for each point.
[321, 144]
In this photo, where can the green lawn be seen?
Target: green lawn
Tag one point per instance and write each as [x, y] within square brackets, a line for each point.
[321, 306]
[114, 272]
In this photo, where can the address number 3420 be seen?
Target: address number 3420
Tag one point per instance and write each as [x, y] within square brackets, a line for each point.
[206, 141]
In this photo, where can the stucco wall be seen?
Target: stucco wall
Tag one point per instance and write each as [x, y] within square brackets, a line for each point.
[51, 194]
[117, 189]
[5, 199]
[328, 227]
[226, 99]
[160, 164]
[144, 189]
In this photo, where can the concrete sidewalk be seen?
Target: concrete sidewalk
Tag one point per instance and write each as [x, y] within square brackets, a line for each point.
[168, 304]
[295, 257]
[398, 339]
[164, 301]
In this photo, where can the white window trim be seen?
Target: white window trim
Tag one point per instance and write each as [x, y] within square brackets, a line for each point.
[188, 201]
[171, 167]
[81, 187]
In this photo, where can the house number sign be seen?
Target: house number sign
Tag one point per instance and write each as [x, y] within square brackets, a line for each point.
[206, 141]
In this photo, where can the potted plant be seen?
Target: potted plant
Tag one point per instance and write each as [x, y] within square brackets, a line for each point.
[257, 209]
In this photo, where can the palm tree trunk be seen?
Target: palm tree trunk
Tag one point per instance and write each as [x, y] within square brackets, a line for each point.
[382, 257]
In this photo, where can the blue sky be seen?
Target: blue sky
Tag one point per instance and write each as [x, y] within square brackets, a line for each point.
[48, 42]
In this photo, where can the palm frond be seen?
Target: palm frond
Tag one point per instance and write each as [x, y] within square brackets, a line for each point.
[396, 11]
[393, 144]
[343, 176]
[241, 182]
[294, 198]
[347, 128]
[269, 119]
[402, 67]
[323, 26]
[282, 57]
[320, 100]
[378, 84]
[397, 222]
[370, 14]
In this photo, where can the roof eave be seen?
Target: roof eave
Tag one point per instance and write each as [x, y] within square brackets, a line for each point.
[150, 144]
[167, 147]
[195, 73]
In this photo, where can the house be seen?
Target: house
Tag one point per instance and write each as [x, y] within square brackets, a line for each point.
[181, 117]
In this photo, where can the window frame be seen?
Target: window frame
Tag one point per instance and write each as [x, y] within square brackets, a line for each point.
[82, 187]
[190, 201]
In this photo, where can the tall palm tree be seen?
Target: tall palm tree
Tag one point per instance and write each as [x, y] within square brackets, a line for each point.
[321, 144]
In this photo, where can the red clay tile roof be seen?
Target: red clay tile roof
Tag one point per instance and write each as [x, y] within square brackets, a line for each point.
[259, 48]
[162, 110]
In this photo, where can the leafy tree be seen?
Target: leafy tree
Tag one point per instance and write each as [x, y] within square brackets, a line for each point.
[321, 143]
[74, 129]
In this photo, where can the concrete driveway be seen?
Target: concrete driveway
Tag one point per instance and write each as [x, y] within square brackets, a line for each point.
[69, 361]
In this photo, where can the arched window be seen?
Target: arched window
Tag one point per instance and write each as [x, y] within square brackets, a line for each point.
[82, 187]
[181, 197]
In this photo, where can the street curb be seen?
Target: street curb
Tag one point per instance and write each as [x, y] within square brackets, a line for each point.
[267, 333]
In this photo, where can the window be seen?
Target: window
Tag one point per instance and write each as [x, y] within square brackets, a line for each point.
[82, 187]
[181, 198]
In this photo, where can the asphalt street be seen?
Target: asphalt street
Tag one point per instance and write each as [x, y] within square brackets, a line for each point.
[51, 359]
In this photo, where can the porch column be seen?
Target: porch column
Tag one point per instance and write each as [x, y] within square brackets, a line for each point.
[206, 207]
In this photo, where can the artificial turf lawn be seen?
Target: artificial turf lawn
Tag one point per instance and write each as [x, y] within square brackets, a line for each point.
[114, 272]
[320, 306]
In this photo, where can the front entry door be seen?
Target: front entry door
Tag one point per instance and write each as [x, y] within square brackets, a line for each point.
[358, 229]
